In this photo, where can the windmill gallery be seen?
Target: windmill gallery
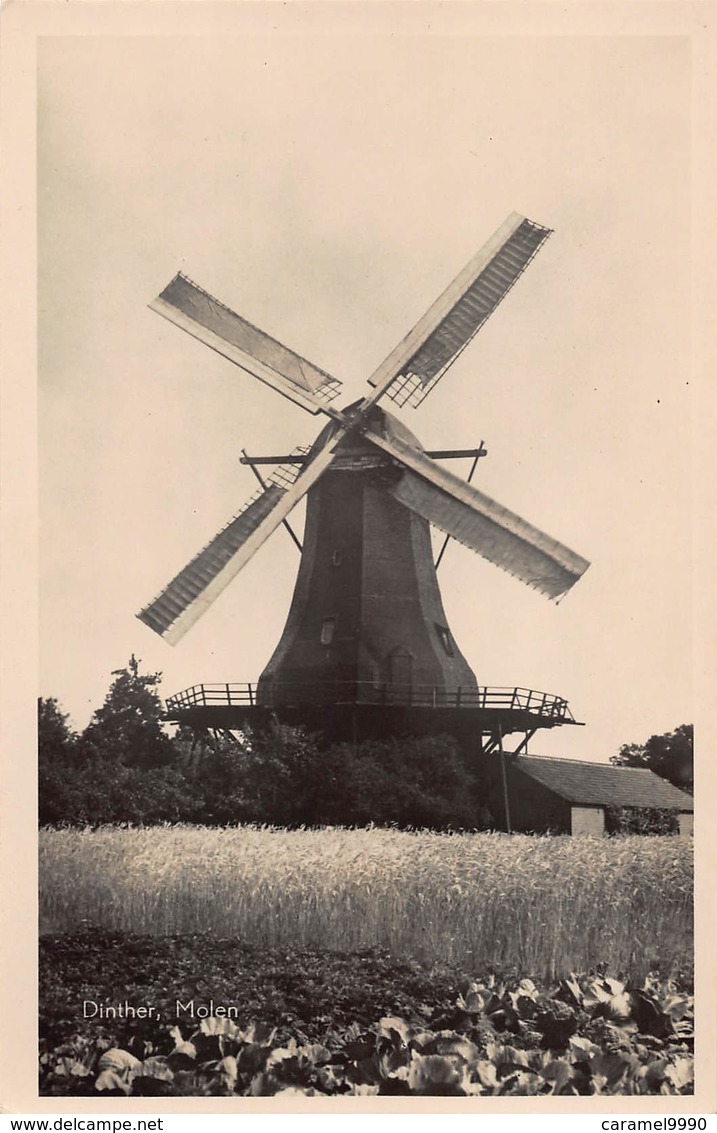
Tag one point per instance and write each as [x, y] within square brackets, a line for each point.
[366, 650]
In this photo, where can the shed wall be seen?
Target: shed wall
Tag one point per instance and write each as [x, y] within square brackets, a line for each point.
[587, 820]
[533, 807]
[686, 823]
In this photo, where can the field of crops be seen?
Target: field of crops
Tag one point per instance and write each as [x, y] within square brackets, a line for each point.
[542, 906]
[343, 1024]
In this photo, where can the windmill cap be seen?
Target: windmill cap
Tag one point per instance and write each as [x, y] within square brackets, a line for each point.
[377, 419]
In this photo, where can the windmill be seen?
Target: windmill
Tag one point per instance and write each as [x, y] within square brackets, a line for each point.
[366, 628]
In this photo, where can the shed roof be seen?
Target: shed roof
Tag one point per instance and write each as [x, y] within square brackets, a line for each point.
[601, 784]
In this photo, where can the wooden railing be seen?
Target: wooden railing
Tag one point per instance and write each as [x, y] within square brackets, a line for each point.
[541, 704]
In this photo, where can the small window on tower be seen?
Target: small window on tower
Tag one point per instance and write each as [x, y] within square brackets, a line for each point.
[336, 558]
[445, 636]
[327, 630]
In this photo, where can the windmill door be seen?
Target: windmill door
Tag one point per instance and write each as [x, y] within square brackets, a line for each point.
[400, 676]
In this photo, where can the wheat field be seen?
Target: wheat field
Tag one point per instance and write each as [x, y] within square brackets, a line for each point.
[540, 905]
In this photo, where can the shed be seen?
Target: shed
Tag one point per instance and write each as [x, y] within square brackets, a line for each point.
[570, 795]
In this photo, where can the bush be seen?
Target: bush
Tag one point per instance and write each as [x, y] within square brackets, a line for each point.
[282, 777]
[643, 820]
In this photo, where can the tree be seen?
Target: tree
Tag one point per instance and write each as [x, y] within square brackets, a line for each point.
[669, 755]
[54, 735]
[127, 728]
[56, 753]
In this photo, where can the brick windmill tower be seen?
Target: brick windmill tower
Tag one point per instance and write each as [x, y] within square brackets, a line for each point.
[367, 649]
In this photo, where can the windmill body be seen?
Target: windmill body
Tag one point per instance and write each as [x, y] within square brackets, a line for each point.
[367, 630]
[366, 623]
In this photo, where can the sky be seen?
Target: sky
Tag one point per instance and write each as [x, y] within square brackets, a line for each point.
[328, 187]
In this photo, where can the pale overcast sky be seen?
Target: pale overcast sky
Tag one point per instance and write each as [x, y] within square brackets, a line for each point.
[328, 188]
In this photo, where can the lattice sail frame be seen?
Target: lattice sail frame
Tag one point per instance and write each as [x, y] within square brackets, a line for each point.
[443, 332]
[480, 523]
[458, 329]
[197, 585]
[190, 307]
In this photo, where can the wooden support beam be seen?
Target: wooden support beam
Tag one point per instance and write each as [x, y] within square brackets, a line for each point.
[504, 777]
[436, 454]
[523, 745]
[248, 460]
[476, 454]
[458, 453]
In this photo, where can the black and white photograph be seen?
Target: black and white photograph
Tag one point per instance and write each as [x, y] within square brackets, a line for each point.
[366, 493]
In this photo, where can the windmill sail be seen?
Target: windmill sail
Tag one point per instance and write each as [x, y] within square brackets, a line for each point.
[193, 590]
[419, 361]
[204, 317]
[406, 376]
[480, 523]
